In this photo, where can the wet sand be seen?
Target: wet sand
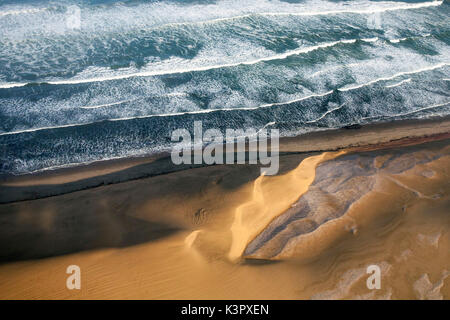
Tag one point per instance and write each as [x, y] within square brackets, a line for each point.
[342, 201]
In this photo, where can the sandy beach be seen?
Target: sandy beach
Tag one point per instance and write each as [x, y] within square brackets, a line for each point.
[145, 229]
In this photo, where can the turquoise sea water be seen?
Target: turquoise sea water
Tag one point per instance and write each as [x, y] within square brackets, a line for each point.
[120, 79]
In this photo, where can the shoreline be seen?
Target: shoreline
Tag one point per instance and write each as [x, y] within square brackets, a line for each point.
[226, 232]
[54, 182]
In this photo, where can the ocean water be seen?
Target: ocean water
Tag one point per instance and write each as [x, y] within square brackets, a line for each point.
[82, 81]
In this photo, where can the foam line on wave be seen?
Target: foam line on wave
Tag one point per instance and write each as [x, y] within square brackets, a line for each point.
[440, 65]
[398, 6]
[437, 66]
[280, 56]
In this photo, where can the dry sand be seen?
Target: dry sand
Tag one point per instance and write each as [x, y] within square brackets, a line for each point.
[225, 232]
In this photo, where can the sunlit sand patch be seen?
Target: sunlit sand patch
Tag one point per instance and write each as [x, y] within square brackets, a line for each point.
[190, 239]
[271, 196]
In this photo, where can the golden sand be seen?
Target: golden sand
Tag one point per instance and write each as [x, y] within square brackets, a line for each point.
[225, 232]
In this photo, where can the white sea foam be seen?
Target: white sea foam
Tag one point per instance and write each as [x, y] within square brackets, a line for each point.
[120, 16]
[439, 65]
[398, 83]
[168, 14]
[105, 105]
[397, 40]
[404, 39]
[326, 113]
[44, 128]
[434, 106]
[21, 11]
[195, 68]
[177, 65]
[169, 114]
[259, 106]
[395, 6]
[370, 39]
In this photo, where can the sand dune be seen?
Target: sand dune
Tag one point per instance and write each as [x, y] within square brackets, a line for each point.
[339, 185]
